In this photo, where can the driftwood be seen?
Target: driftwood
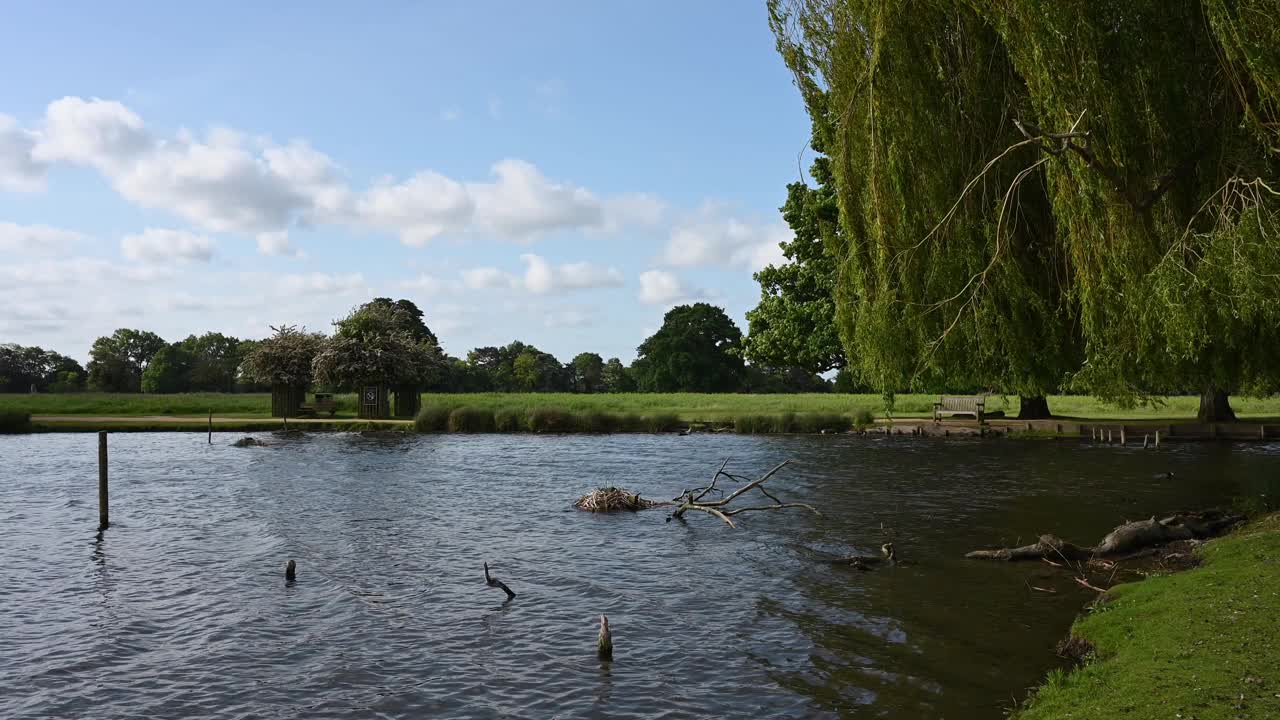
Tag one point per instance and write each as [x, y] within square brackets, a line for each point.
[495, 582]
[697, 498]
[1126, 539]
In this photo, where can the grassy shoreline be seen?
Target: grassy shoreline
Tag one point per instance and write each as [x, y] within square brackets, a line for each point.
[688, 407]
[1196, 644]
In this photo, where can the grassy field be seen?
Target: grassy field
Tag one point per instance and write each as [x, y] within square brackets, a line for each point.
[1197, 644]
[690, 407]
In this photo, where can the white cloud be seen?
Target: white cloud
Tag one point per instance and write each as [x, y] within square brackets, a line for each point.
[488, 278]
[522, 203]
[161, 245]
[424, 284]
[276, 243]
[659, 287]
[77, 272]
[568, 319]
[713, 236]
[419, 209]
[19, 170]
[541, 277]
[223, 183]
[321, 284]
[36, 239]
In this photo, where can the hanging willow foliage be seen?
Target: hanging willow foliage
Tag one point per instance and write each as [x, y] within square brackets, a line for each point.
[1040, 189]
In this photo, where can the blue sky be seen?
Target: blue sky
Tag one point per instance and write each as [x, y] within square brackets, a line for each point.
[559, 173]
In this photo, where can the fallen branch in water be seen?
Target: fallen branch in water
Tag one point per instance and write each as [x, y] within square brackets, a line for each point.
[1125, 540]
[495, 582]
[695, 499]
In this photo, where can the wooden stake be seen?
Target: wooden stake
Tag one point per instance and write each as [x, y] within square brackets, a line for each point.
[1144, 441]
[1110, 438]
[1157, 439]
[1121, 436]
[104, 519]
[210, 427]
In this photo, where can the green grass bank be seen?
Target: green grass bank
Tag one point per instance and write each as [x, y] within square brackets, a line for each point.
[688, 407]
[1204, 643]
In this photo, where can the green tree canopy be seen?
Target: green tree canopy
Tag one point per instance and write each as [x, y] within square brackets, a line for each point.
[117, 361]
[169, 370]
[22, 368]
[697, 349]
[285, 358]
[1047, 188]
[588, 372]
[616, 377]
[408, 318]
[794, 324]
[215, 362]
[372, 346]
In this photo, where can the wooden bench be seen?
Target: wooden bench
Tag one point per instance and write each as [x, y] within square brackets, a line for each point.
[324, 403]
[952, 405]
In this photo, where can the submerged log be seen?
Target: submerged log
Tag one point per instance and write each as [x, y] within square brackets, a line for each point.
[1125, 539]
[1048, 547]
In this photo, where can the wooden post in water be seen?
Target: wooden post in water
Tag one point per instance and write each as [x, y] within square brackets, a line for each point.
[103, 517]
[1262, 431]
[1157, 439]
[1144, 441]
[1121, 436]
[210, 427]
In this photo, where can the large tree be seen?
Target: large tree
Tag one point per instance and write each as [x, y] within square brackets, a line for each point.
[1043, 188]
[117, 361]
[215, 361]
[616, 377]
[372, 345]
[285, 358]
[794, 324]
[588, 372]
[169, 371]
[697, 349]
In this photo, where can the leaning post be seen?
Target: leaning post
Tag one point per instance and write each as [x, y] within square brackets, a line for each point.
[210, 427]
[103, 517]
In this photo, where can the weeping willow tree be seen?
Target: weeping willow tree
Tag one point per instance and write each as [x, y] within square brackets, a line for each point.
[1046, 189]
[949, 274]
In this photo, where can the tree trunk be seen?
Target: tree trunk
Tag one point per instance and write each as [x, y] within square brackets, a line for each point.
[1215, 407]
[1034, 408]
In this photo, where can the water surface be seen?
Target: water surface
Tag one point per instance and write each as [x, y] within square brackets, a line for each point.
[181, 609]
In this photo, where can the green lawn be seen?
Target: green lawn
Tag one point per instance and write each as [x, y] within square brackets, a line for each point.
[692, 407]
[1198, 644]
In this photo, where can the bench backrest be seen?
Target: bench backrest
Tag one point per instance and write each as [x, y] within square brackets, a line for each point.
[963, 403]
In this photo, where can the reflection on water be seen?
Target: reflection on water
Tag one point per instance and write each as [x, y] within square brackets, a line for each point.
[181, 609]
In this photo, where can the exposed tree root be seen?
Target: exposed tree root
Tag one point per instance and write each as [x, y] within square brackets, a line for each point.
[1122, 542]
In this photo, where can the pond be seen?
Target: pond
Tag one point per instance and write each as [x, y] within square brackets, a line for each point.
[182, 609]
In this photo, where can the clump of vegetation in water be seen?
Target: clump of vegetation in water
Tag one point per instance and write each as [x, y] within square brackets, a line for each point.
[13, 421]
[791, 423]
[864, 419]
[613, 499]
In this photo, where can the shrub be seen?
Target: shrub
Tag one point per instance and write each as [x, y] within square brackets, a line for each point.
[864, 418]
[471, 420]
[665, 422]
[509, 420]
[631, 422]
[817, 422]
[599, 422]
[12, 421]
[432, 418]
[551, 420]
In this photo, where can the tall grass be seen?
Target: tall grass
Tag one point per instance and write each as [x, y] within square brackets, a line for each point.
[12, 421]
[444, 417]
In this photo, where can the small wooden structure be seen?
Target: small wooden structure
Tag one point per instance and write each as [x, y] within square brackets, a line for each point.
[374, 402]
[286, 400]
[952, 405]
[324, 402]
[408, 400]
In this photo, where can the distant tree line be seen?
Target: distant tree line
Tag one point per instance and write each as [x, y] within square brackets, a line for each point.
[697, 349]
